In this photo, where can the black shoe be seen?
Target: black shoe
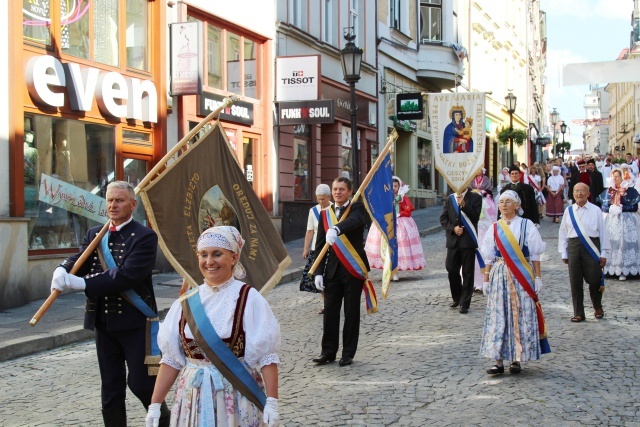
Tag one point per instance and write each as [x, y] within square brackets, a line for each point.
[323, 359]
[464, 310]
[454, 304]
[345, 361]
[515, 368]
[495, 369]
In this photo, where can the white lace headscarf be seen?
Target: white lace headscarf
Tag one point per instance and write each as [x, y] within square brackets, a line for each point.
[512, 195]
[225, 237]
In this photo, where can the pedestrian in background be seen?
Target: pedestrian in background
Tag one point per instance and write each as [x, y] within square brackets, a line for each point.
[596, 186]
[583, 244]
[525, 192]
[244, 324]
[503, 179]
[512, 285]
[112, 290]
[323, 196]
[481, 184]
[555, 187]
[461, 245]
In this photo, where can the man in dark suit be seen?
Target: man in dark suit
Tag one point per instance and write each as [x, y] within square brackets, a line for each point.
[461, 248]
[120, 328]
[335, 280]
[526, 194]
[596, 186]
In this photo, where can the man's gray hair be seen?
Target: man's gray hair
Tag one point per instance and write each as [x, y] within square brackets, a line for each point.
[122, 185]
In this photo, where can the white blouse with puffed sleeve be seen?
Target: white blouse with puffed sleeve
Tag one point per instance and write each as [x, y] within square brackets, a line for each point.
[532, 240]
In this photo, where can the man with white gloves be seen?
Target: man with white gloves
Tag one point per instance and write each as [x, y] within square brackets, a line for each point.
[120, 328]
[333, 277]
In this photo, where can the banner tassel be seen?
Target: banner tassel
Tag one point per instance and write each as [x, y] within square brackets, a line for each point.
[370, 297]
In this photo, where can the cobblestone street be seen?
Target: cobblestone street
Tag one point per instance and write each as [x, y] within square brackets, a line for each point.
[417, 363]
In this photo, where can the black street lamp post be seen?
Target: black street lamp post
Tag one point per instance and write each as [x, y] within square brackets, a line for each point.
[555, 116]
[510, 103]
[563, 129]
[351, 57]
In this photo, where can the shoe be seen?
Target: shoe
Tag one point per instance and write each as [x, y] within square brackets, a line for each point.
[515, 368]
[321, 311]
[454, 304]
[345, 361]
[477, 291]
[464, 310]
[324, 359]
[495, 369]
[621, 278]
[395, 278]
[577, 319]
[599, 313]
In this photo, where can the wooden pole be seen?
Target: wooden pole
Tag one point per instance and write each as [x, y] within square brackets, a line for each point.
[392, 138]
[145, 181]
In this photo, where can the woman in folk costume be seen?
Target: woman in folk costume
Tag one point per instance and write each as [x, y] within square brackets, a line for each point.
[536, 180]
[503, 179]
[410, 254]
[323, 195]
[513, 326]
[620, 207]
[482, 185]
[234, 314]
[555, 187]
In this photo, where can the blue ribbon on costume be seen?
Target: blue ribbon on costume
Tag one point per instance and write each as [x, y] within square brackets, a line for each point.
[221, 355]
[316, 212]
[202, 379]
[466, 222]
[152, 317]
[586, 241]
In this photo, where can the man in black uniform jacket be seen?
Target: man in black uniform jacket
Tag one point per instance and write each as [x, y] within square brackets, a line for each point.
[461, 248]
[525, 192]
[336, 281]
[596, 184]
[119, 326]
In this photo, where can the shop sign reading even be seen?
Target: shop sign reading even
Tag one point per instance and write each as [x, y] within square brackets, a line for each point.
[116, 95]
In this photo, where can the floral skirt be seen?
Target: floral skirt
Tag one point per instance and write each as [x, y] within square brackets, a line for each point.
[410, 254]
[306, 282]
[204, 397]
[623, 232]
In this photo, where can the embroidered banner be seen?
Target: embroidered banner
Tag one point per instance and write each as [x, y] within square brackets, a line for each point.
[458, 133]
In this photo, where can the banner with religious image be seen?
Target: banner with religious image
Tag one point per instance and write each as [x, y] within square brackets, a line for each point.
[458, 135]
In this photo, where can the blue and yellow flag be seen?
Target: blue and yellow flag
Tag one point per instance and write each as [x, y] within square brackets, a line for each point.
[378, 199]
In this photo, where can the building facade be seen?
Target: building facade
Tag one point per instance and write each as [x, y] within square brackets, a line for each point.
[84, 106]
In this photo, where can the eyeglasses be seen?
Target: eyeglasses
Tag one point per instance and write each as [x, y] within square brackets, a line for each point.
[580, 191]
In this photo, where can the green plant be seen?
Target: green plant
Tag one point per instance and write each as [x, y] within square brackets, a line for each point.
[518, 136]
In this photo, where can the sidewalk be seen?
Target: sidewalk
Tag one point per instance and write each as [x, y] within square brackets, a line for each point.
[62, 324]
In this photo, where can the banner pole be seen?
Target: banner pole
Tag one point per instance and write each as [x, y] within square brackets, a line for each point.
[145, 181]
[392, 138]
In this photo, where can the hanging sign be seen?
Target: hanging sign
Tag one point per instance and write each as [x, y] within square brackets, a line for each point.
[185, 54]
[458, 133]
[409, 106]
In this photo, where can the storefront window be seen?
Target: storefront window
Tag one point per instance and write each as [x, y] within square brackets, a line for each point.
[105, 29]
[36, 21]
[137, 34]
[74, 22]
[214, 53]
[234, 77]
[134, 171]
[67, 166]
[424, 163]
[250, 69]
[301, 163]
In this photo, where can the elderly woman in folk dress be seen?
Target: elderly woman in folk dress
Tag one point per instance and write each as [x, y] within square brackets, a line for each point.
[482, 184]
[511, 329]
[242, 318]
[555, 187]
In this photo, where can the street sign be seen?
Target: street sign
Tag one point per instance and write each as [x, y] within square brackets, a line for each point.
[543, 141]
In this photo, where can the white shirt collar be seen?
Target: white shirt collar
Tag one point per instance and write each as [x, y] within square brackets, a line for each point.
[119, 227]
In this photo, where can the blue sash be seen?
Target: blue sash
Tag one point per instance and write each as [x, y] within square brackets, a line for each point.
[586, 242]
[218, 352]
[152, 354]
[316, 212]
[466, 222]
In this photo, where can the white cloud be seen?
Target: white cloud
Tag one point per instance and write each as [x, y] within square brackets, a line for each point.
[584, 9]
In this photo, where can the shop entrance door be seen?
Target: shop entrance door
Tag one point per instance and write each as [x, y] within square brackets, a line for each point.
[135, 168]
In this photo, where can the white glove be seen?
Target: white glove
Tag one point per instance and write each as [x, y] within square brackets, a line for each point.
[153, 415]
[71, 282]
[615, 210]
[319, 282]
[58, 280]
[538, 285]
[485, 289]
[332, 236]
[403, 190]
[270, 414]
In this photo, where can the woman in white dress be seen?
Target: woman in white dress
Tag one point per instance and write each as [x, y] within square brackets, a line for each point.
[555, 187]
[536, 180]
[503, 179]
[511, 329]
[243, 320]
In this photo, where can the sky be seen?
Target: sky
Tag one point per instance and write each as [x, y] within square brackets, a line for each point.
[580, 31]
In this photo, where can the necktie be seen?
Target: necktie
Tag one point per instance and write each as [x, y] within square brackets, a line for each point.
[112, 228]
[338, 212]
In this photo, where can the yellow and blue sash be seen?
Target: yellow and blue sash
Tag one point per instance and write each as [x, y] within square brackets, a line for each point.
[586, 241]
[466, 222]
[152, 353]
[519, 266]
[218, 352]
[351, 260]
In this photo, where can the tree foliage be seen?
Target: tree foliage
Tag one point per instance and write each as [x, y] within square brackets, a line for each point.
[518, 136]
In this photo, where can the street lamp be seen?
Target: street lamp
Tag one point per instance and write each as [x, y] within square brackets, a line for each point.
[563, 129]
[555, 116]
[510, 103]
[351, 57]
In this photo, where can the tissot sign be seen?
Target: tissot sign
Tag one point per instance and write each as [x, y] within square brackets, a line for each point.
[117, 96]
[305, 112]
[297, 78]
